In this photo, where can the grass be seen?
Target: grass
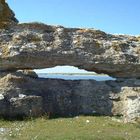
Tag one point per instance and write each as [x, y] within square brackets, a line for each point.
[78, 128]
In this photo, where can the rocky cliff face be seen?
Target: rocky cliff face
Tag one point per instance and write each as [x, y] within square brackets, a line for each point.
[34, 45]
[22, 95]
[7, 17]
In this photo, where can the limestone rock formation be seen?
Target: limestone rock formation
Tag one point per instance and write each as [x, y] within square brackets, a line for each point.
[7, 16]
[22, 95]
[30, 46]
[29, 73]
[35, 46]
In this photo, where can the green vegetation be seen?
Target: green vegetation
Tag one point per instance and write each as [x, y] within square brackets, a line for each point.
[78, 128]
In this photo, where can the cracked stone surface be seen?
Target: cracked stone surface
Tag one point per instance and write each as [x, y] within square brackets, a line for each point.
[28, 46]
[36, 46]
[29, 96]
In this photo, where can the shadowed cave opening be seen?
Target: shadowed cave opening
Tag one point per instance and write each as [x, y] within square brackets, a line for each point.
[71, 73]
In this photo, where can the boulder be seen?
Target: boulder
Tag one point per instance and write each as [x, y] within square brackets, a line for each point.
[25, 106]
[29, 73]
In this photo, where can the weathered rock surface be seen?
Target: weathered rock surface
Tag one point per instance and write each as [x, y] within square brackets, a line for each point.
[22, 95]
[35, 46]
[30, 46]
[7, 17]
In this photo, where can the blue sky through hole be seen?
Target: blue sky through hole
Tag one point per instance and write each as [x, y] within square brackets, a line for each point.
[62, 69]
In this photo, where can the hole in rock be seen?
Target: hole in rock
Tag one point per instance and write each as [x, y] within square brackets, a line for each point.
[70, 73]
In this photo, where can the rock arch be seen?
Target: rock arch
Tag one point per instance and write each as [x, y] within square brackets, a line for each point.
[35, 45]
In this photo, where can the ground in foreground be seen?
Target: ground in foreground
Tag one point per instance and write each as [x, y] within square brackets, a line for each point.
[78, 128]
